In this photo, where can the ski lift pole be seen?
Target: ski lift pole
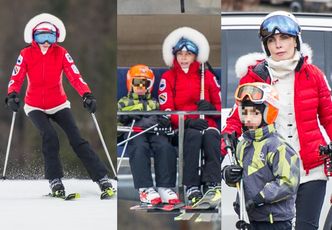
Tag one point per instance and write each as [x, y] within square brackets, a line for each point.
[180, 164]
[104, 145]
[140, 133]
[182, 6]
[125, 147]
[8, 145]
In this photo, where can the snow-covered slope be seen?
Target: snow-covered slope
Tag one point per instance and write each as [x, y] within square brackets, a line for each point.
[24, 206]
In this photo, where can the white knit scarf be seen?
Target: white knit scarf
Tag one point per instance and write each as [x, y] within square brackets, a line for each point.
[281, 69]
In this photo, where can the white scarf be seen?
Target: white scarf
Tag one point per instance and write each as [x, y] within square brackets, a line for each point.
[281, 69]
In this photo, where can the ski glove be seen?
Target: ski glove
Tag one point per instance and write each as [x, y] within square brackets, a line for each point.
[198, 124]
[89, 102]
[13, 101]
[164, 122]
[228, 141]
[204, 105]
[256, 202]
[126, 119]
[232, 174]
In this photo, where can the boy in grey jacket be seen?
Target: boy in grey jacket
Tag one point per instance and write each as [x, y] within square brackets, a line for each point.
[268, 165]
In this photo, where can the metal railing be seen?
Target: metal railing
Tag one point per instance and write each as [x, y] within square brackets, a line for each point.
[181, 115]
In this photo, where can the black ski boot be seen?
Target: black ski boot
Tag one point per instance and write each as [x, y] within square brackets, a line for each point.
[106, 188]
[58, 190]
[194, 194]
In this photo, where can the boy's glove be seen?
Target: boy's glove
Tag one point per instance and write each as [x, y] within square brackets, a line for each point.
[204, 105]
[232, 173]
[199, 124]
[13, 101]
[125, 119]
[164, 122]
[256, 202]
[228, 141]
[89, 102]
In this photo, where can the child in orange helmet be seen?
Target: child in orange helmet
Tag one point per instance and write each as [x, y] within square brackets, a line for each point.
[267, 164]
[140, 79]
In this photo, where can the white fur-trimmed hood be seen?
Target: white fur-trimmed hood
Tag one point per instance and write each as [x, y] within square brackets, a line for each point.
[191, 34]
[44, 17]
[242, 64]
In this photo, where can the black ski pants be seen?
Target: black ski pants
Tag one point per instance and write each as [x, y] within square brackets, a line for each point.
[209, 142]
[51, 146]
[277, 225]
[141, 149]
[309, 202]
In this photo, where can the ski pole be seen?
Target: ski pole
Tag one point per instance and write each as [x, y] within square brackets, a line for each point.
[8, 144]
[136, 129]
[140, 133]
[104, 145]
[125, 147]
[242, 223]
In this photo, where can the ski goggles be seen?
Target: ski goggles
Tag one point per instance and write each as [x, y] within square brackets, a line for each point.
[282, 24]
[185, 43]
[255, 93]
[42, 37]
[140, 82]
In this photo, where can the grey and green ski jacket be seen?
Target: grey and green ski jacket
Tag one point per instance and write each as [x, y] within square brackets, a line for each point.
[271, 168]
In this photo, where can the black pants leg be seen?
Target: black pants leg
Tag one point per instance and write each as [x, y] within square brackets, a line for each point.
[309, 202]
[211, 171]
[278, 225]
[95, 167]
[140, 163]
[50, 144]
[191, 149]
[164, 161]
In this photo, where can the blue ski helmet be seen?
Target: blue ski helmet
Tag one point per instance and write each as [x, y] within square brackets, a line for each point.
[279, 22]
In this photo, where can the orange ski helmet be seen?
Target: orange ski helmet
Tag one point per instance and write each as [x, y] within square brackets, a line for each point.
[140, 74]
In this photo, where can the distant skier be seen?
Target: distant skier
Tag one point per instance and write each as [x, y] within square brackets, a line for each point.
[184, 50]
[43, 62]
[140, 79]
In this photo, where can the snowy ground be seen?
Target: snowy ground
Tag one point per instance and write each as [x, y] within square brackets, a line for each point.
[23, 206]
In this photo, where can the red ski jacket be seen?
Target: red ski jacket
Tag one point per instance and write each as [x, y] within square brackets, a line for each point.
[44, 72]
[181, 91]
[312, 104]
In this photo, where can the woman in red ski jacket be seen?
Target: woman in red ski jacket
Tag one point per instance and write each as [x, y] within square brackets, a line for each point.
[43, 62]
[305, 102]
[184, 50]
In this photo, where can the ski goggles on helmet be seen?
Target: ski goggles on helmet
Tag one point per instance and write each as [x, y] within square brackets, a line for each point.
[280, 23]
[140, 82]
[256, 94]
[42, 37]
[185, 43]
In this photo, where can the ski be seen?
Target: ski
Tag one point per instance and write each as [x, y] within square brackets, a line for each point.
[184, 216]
[206, 217]
[210, 200]
[71, 196]
[158, 207]
[107, 194]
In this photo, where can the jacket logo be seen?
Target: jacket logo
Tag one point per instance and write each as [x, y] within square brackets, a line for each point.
[162, 98]
[74, 68]
[68, 57]
[16, 70]
[262, 156]
[19, 60]
[162, 85]
[10, 83]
